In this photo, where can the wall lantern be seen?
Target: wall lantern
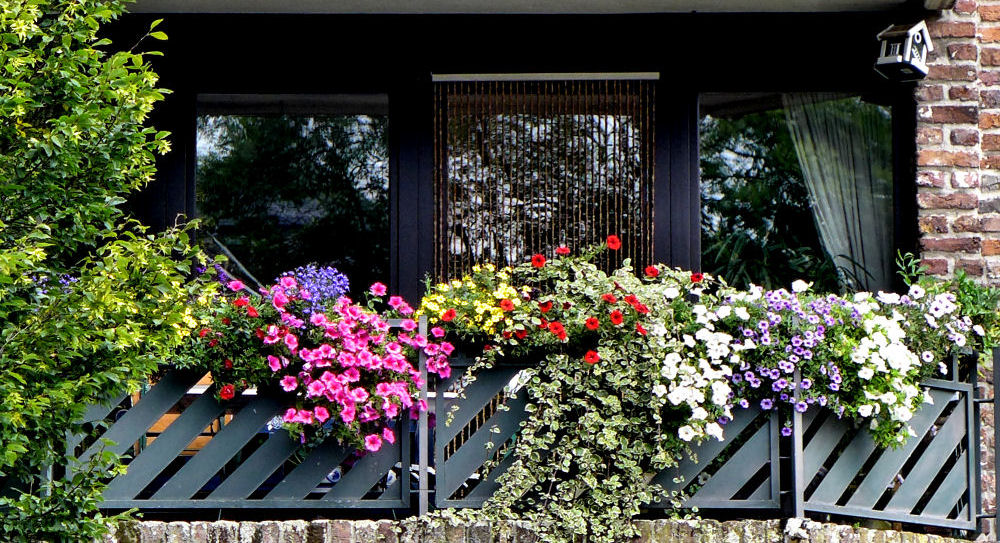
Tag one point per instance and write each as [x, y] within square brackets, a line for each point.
[904, 52]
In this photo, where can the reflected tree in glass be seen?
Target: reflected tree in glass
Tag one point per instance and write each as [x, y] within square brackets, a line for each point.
[283, 191]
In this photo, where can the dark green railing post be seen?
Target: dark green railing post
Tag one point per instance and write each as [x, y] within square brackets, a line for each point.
[798, 469]
[423, 488]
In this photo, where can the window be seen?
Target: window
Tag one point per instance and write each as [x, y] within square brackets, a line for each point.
[522, 166]
[283, 182]
[797, 186]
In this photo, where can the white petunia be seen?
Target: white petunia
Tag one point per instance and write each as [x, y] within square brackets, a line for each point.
[865, 410]
[979, 330]
[715, 430]
[724, 311]
[670, 293]
[686, 432]
[866, 373]
[916, 292]
[800, 286]
[742, 313]
[890, 298]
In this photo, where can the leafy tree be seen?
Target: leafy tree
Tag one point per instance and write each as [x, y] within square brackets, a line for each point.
[757, 225]
[280, 192]
[90, 302]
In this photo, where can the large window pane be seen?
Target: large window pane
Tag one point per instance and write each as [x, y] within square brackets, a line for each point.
[284, 191]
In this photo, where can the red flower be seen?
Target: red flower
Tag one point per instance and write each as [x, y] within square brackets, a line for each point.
[641, 308]
[213, 343]
[252, 311]
[610, 298]
[697, 277]
[652, 271]
[640, 329]
[521, 334]
[538, 260]
[567, 305]
[545, 306]
[506, 305]
[631, 300]
[617, 317]
[506, 334]
[226, 321]
[556, 328]
[544, 324]
[487, 347]
[614, 243]
[227, 392]
[448, 315]
[203, 332]
[592, 323]
[591, 357]
[241, 301]
[562, 251]
[259, 333]
[228, 364]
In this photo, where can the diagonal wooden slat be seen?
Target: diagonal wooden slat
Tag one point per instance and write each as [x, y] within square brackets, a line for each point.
[311, 472]
[211, 458]
[822, 444]
[707, 451]
[471, 455]
[860, 448]
[954, 486]
[927, 467]
[367, 471]
[148, 410]
[888, 465]
[743, 465]
[256, 469]
[488, 486]
[477, 395]
[164, 450]
[93, 413]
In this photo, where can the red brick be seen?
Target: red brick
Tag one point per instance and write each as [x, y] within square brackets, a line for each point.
[950, 245]
[964, 136]
[989, 99]
[962, 51]
[990, 56]
[954, 114]
[961, 92]
[935, 224]
[991, 142]
[989, 13]
[929, 157]
[971, 267]
[991, 247]
[991, 34]
[940, 29]
[991, 162]
[930, 135]
[964, 179]
[930, 93]
[989, 78]
[955, 200]
[989, 120]
[990, 224]
[964, 6]
[951, 73]
[935, 266]
[966, 223]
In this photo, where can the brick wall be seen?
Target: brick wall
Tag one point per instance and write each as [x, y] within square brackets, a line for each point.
[958, 163]
[412, 531]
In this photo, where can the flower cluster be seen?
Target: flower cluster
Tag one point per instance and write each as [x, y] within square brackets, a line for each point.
[318, 285]
[475, 306]
[351, 374]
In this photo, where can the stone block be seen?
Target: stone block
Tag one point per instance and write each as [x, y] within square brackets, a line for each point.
[177, 532]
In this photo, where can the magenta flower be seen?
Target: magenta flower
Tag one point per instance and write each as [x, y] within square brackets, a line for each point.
[390, 409]
[347, 413]
[373, 442]
[388, 435]
[322, 414]
[289, 383]
[437, 332]
[359, 394]
[377, 289]
[287, 282]
[409, 325]
[235, 285]
[395, 302]
[406, 309]
[273, 362]
[291, 341]
[315, 388]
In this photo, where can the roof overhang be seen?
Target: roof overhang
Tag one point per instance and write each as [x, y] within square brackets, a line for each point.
[519, 6]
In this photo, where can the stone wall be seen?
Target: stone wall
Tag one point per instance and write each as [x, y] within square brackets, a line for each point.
[412, 531]
[958, 165]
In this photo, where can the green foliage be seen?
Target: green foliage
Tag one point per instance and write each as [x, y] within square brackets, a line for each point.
[90, 302]
[757, 225]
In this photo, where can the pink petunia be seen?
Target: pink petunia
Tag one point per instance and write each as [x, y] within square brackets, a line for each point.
[352, 375]
[289, 383]
[377, 289]
[322, 414]
[388, 435]
[368, 414]
[395, 302]
[359, 394]
[406, 309]
[420, 340]
[273, 362]
[304, 416]
[315, 388]
[288, 282]
[347, 413]
[409, 325]
[437, 332]
[279, 300]
[390, 409]
[235, 285]
[318, 319]
[447, 348]
[373, 442]
[291, 341]
[289, 415]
